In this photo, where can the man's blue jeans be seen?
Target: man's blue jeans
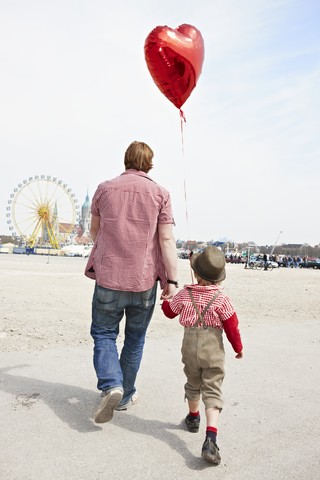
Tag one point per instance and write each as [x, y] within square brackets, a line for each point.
[108, 308]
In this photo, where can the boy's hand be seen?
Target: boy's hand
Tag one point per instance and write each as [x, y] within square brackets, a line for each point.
[168, 292]
[239, 355]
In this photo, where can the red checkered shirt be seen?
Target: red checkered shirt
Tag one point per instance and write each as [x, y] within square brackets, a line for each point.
[220, 310]
[126, 253]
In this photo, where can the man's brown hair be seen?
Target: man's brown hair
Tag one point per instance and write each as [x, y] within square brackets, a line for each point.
[138, 156]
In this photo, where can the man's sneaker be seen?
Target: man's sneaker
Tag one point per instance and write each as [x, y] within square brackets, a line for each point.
[133, 400]
[210, 451]
[108, 403]
[192, 423]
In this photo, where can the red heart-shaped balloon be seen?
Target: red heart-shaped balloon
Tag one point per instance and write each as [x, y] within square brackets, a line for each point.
[174, 58]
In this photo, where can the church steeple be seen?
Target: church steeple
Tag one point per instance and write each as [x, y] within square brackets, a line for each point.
[86, 215]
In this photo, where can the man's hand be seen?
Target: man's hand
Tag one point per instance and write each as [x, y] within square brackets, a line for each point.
[239, 355]
[168, 292]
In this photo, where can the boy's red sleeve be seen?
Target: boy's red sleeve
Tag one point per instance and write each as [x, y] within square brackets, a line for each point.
[167, 309]
[231, 327]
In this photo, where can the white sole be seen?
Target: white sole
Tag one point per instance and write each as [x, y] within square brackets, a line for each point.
[107, 406]
[121, 408]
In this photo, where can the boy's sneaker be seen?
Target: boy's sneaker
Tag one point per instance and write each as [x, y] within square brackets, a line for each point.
[108, 403]
[192, 423]
[133, 400]
[210, 451]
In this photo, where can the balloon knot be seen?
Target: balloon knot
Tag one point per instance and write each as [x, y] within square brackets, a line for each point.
[182, 116]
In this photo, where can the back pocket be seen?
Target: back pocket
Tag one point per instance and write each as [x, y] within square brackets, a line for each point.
[106, 300]
[149, 297]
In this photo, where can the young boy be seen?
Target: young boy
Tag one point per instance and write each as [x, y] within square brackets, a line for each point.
[205, 311]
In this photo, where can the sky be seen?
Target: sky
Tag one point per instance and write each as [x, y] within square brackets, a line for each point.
[75, 91]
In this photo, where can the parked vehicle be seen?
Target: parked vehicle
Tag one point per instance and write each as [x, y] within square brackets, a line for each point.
[310, 264]
[235, 258]
[77, 250]
[184, 255]
[19, 250]
[258, 263]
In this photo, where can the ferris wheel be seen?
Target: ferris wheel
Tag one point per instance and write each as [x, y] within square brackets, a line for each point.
[42, 210]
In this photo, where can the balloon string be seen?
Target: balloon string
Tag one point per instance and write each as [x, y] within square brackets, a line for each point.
[182, 121]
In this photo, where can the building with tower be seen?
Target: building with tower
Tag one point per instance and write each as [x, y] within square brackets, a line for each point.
[83, 237]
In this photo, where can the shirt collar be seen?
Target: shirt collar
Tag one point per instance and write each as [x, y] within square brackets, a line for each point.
[132, 171]
[202, 288]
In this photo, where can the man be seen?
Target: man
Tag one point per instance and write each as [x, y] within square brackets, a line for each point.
[134, 247]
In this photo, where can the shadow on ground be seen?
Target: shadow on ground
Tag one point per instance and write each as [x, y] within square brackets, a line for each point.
[75, 406]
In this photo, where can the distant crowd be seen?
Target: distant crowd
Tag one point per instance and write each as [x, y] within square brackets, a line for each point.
[281, 260]
[285, 261]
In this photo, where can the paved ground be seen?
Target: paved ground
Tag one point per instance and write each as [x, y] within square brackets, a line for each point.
[269, 428]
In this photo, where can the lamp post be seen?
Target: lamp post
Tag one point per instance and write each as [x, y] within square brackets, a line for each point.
[276, 242]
